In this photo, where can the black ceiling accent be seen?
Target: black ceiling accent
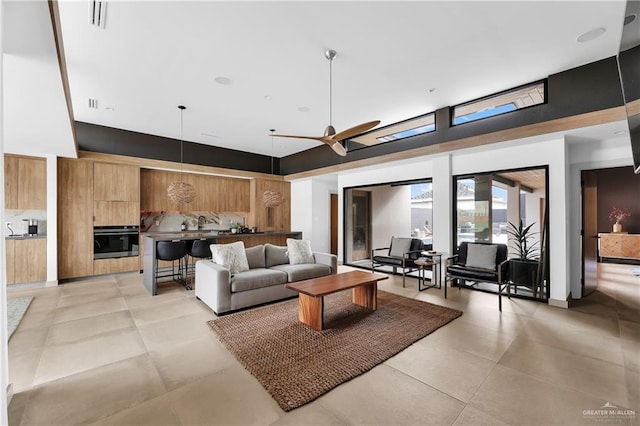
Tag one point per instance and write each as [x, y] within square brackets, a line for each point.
[95, 138]
[588, 88]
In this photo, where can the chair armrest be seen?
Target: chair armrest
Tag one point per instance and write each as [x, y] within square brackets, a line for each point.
[213, 285]
[450, 260]
[503, 270]
[331, 260]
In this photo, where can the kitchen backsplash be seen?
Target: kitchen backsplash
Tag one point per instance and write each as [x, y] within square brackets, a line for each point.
[19, 226]
[172, 222]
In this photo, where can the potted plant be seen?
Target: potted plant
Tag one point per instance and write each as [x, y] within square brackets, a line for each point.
[523, 268]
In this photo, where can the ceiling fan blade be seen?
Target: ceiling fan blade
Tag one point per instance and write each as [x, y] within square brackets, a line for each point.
[355, 130]
[315, 138]
[338, 148]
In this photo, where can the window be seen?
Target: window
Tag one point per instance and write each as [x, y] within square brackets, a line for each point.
[405, 129]
[501, 103]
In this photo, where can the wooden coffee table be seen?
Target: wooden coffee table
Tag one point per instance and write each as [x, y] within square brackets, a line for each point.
[312, 292]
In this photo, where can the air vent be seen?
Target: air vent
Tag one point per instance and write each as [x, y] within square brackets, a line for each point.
[97, 13]
[93, 103]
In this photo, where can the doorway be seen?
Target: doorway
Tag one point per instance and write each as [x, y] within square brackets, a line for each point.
[589, 279]
[334, 224]
[358, 225]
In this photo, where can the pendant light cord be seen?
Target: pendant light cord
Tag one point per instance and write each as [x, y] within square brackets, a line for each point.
[330, 91]
[182, 108]
[272, 130]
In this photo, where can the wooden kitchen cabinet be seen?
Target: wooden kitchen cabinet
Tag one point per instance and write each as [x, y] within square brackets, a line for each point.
[270, 218]
[10, 250]
[113, 266]
[114, 213]
[26, 260]
[213, 193]
[75, 218]
[25, 183]
[236, 194]
[116, 182]
[153, 190]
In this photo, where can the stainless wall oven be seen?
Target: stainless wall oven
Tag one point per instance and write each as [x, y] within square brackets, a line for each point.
[115, 241]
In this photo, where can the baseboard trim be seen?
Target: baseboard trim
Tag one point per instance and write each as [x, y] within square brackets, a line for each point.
[51, 283]
[9, 393]
[559, 303]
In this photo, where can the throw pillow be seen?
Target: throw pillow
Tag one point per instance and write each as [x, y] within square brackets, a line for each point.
[230, 256]
[299, 251]
[399, 246]
[482, 256]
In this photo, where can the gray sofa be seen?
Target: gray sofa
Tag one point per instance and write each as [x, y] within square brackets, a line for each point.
[269, 270]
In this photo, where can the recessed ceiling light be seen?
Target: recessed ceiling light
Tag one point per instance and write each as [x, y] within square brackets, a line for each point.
[619, 132]
[303, 109]
[210, 135]
[110, 108]
[267, 97]
[591, 35]
[223, 80]
[630, 18]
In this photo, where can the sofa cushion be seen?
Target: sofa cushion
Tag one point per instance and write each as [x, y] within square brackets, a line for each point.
[275, 255]
[257, 278]
[231, 256]
[399, 246]
[303, 271]
[481, 256]
[299, 251]
[472, 274]
[255, 257]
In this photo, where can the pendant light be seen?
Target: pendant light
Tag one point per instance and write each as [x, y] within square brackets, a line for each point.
[272, 198]
[181, 192]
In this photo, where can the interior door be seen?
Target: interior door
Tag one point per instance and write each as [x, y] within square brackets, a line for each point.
[361, 225]
[589, 232]
[334, 224]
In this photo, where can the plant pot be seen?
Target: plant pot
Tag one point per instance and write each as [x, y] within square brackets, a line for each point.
[523, 272]
[617, 227]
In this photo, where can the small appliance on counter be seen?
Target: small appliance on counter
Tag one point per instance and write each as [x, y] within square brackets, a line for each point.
[32, 226]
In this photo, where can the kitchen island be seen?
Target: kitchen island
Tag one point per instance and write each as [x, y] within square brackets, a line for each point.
[250, 240]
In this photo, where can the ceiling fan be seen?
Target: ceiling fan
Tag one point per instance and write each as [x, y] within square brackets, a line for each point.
[330, 136]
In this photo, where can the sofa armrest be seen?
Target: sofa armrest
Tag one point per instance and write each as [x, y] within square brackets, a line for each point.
[213, 285]
[331, 260]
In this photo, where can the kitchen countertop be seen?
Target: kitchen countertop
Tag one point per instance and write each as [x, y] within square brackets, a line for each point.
[209, 234]
[24, 237]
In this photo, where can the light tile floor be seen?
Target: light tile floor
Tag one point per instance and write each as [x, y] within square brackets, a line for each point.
[102, 351]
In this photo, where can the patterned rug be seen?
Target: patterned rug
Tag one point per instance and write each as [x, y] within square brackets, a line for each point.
[297, 364]
[15, 311]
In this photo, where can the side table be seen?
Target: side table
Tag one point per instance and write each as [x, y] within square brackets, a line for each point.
[429, 260]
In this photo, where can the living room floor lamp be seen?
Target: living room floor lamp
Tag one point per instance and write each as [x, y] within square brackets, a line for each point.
[181, 192]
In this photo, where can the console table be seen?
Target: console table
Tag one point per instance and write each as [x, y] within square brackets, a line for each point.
[619, 245]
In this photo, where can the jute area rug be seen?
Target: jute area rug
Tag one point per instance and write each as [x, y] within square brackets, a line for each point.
[297, 364]
[16, 308]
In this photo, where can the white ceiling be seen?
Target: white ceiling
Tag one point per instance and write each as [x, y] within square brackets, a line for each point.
[35, 116]
[154, 55]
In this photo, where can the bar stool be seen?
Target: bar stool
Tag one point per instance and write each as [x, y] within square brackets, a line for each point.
[199, 249]
[172, 251]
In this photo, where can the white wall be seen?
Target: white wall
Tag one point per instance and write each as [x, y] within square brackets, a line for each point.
[4, 360]
[565, 159]
[311, 210]
[588, 155]
[392, 218]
